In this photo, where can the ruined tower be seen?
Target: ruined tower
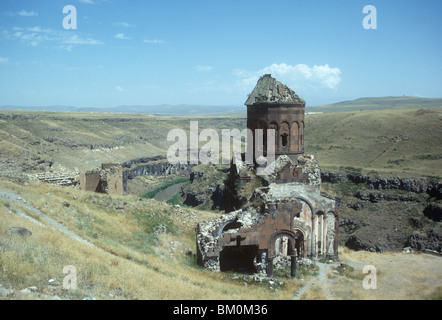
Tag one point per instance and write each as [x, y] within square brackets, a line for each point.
[279, 214]
[272, 105]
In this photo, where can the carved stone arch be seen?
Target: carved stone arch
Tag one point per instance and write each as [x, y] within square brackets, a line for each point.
[274, 125]
[319, 232]
[299, 244]
[294, 136]
[301, 136]
[306, 210]
[292, 236]
[284, 133]
[262, 124]
[330, 236]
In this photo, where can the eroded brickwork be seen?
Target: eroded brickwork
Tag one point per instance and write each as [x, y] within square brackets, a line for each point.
[289, 216]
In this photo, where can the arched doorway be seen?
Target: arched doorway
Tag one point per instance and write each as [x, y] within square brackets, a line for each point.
[286, 242]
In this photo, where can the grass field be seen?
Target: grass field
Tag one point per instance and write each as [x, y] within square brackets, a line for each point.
[387, 142]
[144, 249]
[403, 142]
[147, 251]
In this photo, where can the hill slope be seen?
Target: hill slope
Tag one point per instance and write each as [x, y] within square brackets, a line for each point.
[402, 142]
[379, 103]
[389, 142]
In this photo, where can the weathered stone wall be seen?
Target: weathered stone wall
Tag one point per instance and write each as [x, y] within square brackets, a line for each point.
[417, 185]
[108, 179]
[154, 168]
[57, 178]
[90, 181]
[274, 212]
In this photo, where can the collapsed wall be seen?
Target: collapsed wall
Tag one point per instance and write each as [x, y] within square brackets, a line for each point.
[108, 179]
[285, 218]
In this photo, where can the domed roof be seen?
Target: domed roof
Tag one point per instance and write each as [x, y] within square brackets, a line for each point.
[268, 90]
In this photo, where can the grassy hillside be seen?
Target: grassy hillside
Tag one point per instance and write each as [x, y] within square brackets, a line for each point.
[379, 103]
[402, 142]
[143, 249]
[28, 140]
[389, 142]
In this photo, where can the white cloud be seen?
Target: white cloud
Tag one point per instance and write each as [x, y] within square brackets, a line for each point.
[154, 41]
[35, 35]
[4, 60]
[75, 39]
[121, 36]
[87, 1]
[123, 24]
[204, 68]
[296, 76]
[24, 13]
[119, 89]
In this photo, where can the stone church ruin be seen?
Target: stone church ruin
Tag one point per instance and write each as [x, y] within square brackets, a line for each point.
[287, 216]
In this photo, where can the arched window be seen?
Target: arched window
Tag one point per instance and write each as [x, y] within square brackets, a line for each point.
[294, 137]
[284, 132]
[274, 126]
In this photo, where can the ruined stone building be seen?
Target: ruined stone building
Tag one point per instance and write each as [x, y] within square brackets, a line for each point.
[282, 214]
[108, 179]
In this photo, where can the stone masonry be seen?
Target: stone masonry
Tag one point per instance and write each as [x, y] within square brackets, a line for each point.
[288, 216]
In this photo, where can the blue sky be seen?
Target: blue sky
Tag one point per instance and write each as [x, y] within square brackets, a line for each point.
[134, 52]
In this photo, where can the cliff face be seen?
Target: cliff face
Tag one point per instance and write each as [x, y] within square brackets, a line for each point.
[418, 185]
[155, 166]
[207, 189]
[387, 214]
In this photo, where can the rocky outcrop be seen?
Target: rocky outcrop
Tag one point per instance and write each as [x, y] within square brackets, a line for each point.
[132, 162]
[358, 244]
[434, 211]
[155, 166]
[347, 225]
[20, 231]
[417, 185]
[212, 195]
[424, 241]
[378, 196]
[57, 178]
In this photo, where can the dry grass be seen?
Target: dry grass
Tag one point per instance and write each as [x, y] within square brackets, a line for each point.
[399, 275]
[388, 142]
[133, 259]
[314, 293]
[126, 262]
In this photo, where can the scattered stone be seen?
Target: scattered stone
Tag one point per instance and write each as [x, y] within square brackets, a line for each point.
[4, 293]
[406, 250]
[422, 241]
[25, 291]
[20, 231]
[434, 212]
[66, 204]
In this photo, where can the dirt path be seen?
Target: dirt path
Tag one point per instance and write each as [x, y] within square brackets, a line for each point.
[319, 281]
[42, 219]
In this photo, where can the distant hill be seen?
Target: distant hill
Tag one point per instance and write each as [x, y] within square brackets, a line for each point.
[379, 103]
[160, 110]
